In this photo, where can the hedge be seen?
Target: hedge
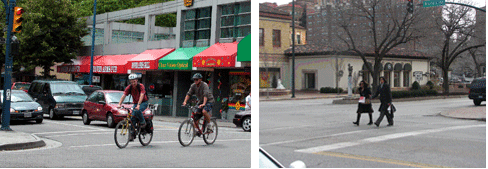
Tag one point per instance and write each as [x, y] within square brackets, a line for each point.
[413, 93]
[330, 90]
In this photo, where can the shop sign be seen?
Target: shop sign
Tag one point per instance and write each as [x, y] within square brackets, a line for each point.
[70, 68]
[174, 65]
[96, 79]
[418, 75]
[140, 65]
[188, 3]
[105, 69]
[209, 62]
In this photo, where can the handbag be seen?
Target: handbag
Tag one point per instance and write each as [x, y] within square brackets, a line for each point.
[392, 108]
[364, 100]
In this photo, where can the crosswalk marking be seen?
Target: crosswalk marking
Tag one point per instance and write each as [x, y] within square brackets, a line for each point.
[381, 138]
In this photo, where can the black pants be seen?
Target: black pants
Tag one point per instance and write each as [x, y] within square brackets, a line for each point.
[384, 112]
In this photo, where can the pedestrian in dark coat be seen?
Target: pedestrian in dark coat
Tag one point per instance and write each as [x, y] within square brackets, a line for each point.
[366, 107]
[385, 99]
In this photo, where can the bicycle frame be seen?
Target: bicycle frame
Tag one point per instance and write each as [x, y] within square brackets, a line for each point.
[127, 120]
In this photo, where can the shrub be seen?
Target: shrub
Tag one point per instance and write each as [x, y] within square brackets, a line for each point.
[413, 93]
[430, 84]
[330, 90]
[415, 85]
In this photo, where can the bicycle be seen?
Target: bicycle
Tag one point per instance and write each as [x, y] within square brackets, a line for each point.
[187, 131]
[122, 131]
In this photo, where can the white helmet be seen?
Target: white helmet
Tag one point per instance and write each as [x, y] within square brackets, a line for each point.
[132, 76]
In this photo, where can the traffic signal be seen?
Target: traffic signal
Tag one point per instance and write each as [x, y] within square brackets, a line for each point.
[17, 25]
[410, 6]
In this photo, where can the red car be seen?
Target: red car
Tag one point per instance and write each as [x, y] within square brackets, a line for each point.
[21, 86]
[101, 105]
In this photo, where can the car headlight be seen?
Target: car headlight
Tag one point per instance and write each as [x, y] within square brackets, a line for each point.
[148, 111]
[39, 108]
[60, 105]
[13, 110]
[123, 111]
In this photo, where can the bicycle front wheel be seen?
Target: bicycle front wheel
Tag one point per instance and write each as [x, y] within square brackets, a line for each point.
[122, 133]
[211, 132]
[186, 133]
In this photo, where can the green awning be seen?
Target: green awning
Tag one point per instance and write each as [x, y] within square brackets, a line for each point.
[244, 49]
[388, 67]
[407, 67]
[180, 59]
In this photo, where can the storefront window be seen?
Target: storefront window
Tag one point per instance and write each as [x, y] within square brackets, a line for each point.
[240, 87]
[269, 77]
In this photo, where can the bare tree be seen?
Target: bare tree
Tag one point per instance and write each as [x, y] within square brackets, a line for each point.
[456, 26]
[376, 27]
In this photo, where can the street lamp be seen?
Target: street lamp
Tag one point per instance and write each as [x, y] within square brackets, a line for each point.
[293, 50]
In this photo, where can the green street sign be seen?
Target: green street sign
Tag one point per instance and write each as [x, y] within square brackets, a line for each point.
[434, 3]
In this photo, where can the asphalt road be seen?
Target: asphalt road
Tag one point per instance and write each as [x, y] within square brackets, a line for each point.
[70, 143]
[322, 135]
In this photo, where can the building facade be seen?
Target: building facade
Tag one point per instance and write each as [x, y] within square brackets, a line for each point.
[166, 58]
[275, 36]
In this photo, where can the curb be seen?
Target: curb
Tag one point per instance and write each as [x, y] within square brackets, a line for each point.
[463, 118]
[355, 101]
[301, 98]
[27, 145]
[219, 123]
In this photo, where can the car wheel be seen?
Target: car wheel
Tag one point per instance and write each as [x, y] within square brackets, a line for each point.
[477, 102]
[86, 120]
[52, 114]
[39, 121]
[246, 124]
[110, 120]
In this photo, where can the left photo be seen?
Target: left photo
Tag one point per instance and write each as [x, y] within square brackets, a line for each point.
[126, 84]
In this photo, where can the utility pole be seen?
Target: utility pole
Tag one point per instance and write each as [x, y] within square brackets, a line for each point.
[293, 49]
[93, 41]
[9, 8]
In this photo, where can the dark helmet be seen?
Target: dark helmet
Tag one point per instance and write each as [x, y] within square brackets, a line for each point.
[197, 76]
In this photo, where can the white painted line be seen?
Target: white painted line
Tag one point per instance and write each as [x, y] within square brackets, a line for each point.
[285, 128]
[313, 138]
[156, 142]
[380, 138]
[82, 126]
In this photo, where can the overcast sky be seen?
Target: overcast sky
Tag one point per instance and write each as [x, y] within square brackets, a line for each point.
[477, 3]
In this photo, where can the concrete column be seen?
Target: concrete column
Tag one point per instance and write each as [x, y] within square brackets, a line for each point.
[147, 27]
[107, 33]
[213, 27]
[178, 30]
[175, 92]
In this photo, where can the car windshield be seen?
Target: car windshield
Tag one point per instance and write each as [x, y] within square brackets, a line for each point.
[66, 88]
[115, 97]
[21, 86]
[18, 97]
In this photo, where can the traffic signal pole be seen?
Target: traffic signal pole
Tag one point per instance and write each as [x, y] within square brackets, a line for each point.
[8, 68]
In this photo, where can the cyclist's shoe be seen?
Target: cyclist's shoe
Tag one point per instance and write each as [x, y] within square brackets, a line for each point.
[198, 134]
[131, 137]
[209, 128]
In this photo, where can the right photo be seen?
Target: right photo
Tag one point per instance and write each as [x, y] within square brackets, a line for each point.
[372, 83]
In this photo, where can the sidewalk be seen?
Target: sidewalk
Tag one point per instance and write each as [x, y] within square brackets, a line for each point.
[13, 140]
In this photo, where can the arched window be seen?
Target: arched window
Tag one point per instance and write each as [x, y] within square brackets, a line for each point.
[407, 68]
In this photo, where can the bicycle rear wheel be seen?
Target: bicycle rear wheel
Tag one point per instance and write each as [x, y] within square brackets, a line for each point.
[186, 133]
[122, 133]
[145, 137]
[210, 134]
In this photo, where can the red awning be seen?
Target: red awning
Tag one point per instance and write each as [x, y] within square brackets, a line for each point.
[112, 64]
[148, 59]
[217, 55]
[80, 65]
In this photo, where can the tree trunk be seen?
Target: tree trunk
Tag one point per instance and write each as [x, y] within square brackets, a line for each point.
[445, 83]
[46, 73]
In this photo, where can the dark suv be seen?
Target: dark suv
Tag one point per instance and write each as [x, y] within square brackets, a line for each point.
[58, 98]
[477, 91]
[89, 89]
